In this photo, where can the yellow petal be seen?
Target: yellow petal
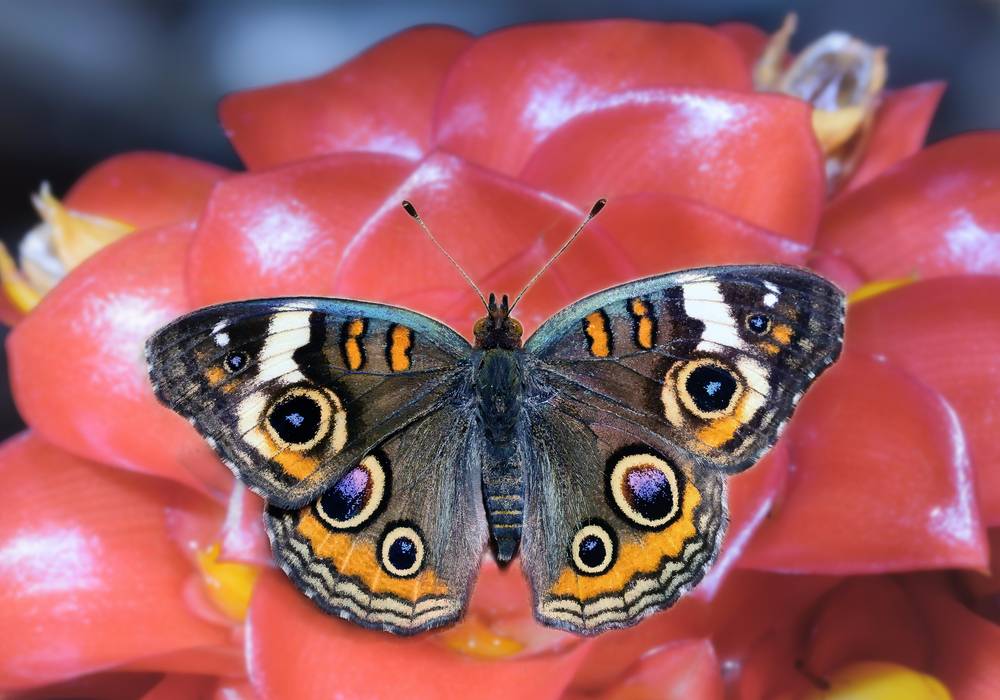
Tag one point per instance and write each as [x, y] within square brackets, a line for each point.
[75, 235]
[877, 680]
[834, 129]
[229, 584]
[15, 286]
[873, 289]
[770, 67]
[473, 638]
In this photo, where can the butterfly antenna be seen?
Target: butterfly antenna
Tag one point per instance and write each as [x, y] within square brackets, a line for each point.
[416, 217]
[594, 211]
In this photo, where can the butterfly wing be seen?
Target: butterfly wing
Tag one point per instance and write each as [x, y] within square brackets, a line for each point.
[647, 395]
[403, 562]
[291, 392]
[352, 420]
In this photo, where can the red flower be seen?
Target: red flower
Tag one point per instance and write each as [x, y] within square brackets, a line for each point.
[115, 541]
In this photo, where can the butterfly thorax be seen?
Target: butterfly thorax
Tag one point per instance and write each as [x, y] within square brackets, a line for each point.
[497, 329]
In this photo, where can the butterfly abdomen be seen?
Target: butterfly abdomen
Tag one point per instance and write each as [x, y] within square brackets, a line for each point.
[499, 402]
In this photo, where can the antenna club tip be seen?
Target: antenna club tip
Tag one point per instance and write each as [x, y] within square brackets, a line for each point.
[598, 205]
[410, 209]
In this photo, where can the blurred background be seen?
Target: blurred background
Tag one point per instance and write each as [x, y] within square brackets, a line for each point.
[80, 81]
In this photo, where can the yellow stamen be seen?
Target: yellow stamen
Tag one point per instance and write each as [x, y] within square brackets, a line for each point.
[473, 638]
[873, 289]
[228, 584]
[841, 77]
[75, 235]
[878, 680]
[15, 285]
[770, 66]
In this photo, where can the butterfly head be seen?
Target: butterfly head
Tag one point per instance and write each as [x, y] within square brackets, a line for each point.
[498, 329]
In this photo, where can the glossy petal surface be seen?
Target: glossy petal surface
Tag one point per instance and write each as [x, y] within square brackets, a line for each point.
[498, 230]
[660, 232]
[947, 332]
[515, 86]
[935, 214]
[382, 100]
[84, 344]
[364, 664]
[284, 231]
[78, 541]
[873, 451]
[145, 188]
[244, 538]
[753, 156]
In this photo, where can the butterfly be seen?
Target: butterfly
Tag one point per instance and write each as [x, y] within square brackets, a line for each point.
[392, 452]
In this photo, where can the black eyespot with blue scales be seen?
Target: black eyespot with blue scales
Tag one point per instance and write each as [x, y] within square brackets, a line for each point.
[297, 419]
[594, 548]
[236, 362]
[401, 550]
[711, 387]
[758, 324]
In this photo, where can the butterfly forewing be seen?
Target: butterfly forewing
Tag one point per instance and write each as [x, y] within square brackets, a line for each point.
[292, 391]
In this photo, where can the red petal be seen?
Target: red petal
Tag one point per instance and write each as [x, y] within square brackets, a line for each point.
[10, 315]
[946, 332]
[187, 687]
[752, 495]
[750, 606]
[867, 618]
[751, 155]
[513, 232]
[112, 685]
[243, 535]
[936, 214]
[284, 231]
[335, 656]
[77, 367]
[749, 38]
[145, 188]
[677, 671]
[662, 232]
[612, 654]
[515, 86]
[90, 577]
[966, 646]
[873, 451]
[382, 100]
[899, 130]
[235, 690]
[219, 660]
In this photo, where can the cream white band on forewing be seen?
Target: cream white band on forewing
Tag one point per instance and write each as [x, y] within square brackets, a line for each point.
[703, 301]
[287, 331]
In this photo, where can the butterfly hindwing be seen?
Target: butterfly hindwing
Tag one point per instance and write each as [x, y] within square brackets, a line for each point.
[654, 391]
[621, 533]
[291, 392]
[403, 564]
